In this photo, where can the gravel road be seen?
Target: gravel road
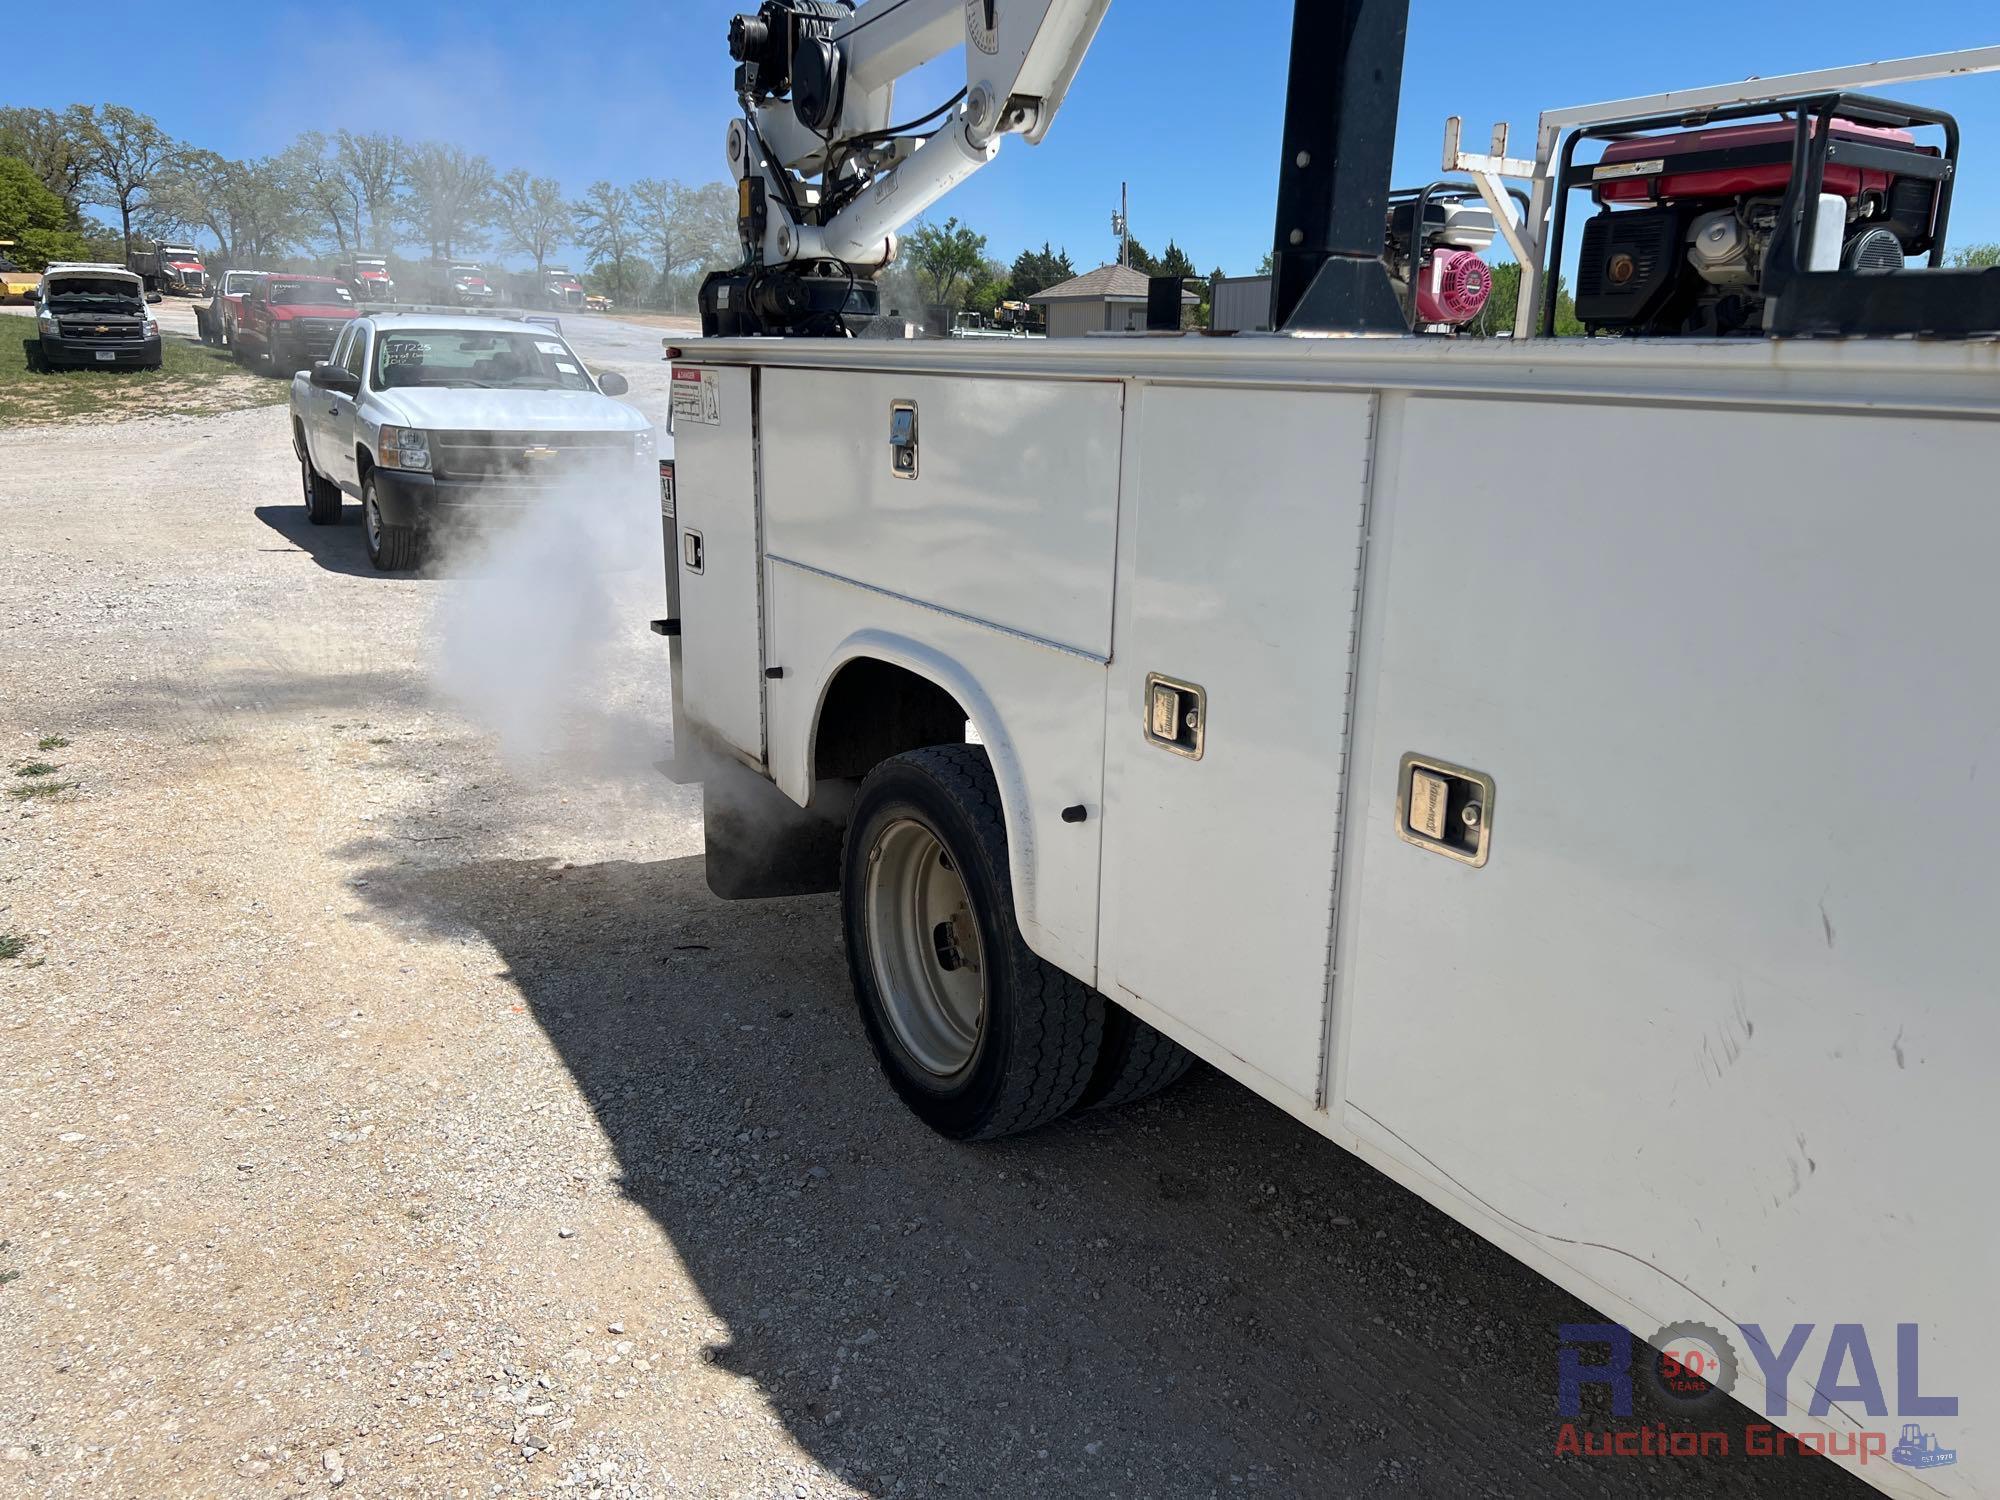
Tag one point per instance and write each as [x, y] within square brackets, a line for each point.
[389, 1116]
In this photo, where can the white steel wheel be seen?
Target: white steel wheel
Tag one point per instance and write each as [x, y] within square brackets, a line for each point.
[978, 1035]
[924, 947]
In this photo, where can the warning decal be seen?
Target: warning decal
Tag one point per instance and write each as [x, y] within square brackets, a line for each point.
[697, 397]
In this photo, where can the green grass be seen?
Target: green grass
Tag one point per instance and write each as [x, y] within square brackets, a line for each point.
[193, 378]
[38, 789]
[12, 945]
[36, 768]
[52, 742]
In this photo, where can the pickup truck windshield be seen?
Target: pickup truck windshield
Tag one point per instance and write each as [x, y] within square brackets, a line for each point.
[309, 293]
[497, 360]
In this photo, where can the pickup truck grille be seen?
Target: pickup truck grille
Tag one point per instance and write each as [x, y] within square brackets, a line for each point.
[98, 331]
[530, 457]
[313, 335]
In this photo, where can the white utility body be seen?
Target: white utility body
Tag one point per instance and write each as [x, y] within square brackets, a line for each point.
[1709, 1035]
[1553, 770]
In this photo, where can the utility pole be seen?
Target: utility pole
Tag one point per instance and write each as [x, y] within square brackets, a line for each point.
[1121, 225]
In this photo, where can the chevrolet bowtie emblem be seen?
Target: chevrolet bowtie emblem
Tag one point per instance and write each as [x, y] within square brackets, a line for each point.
[538, 453]
[104, 328]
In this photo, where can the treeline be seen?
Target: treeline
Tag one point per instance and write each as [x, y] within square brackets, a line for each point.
[947, 265]
[329, 196]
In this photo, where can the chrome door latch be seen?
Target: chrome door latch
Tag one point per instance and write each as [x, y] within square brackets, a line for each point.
[903, 439]
[1176, 715]
[1444, 808]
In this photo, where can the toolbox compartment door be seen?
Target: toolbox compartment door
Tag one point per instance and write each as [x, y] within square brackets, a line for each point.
[718, 542]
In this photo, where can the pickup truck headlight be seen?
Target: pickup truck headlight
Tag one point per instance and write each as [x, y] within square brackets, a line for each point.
[46, 323]
[405, 448]
[152, 328]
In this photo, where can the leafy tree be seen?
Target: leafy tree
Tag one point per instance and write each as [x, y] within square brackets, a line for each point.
[988, 289]
[449, 198]
[374, 164]
[1268, 266]
[252, 208]
[1140, 259]
[37, 220]
[1038, 270]
[948, 259]
[621, 280]
[1174, 261]
[534, 216]
[606, 227]
[316, 176]
[1497, 317]
[125, 154]
[690, 231]
[52, 146]
[1976, 256]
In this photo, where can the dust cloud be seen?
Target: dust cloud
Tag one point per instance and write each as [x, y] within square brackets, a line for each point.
[540, 630]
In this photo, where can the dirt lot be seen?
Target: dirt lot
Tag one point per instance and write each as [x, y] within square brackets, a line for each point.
[385, 1116]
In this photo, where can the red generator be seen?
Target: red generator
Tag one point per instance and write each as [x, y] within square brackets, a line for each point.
[1697, 227]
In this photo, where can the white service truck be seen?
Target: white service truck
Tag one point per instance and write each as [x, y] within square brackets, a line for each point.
[1553, 770]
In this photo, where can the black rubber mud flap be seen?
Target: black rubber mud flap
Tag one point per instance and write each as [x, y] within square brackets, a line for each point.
[761, 843]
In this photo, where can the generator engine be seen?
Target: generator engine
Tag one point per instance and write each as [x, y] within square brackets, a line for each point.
[1441, 257]
[1685, 223]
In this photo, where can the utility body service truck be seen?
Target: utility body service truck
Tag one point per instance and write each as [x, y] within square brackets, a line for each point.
[1556, 770]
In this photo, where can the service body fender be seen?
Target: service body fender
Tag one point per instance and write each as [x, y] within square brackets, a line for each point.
[792, 762]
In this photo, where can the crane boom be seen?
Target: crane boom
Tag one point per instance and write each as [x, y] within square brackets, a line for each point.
[826, 176]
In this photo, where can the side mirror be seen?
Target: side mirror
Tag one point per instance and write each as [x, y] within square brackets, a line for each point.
[613, 384]
[333, 378]
[152, 296]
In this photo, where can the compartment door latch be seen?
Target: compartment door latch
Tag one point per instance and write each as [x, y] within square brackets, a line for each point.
[903, 439]
[1176, 715]
[1445, 808]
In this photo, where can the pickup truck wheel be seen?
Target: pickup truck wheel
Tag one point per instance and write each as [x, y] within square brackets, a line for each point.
[979, 1036]
[322, 496]
[393, 549]
[1135, 1062]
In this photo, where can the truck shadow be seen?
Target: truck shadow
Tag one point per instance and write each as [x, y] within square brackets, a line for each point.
[338, 549]
[1190, 1295]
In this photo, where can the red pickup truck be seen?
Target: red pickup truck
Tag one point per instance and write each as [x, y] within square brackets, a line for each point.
[287, 322]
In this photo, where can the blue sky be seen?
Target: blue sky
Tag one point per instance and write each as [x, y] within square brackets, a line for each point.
[1182, 100]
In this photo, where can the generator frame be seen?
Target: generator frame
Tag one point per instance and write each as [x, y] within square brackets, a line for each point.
[1813, 145]
[1528, 237]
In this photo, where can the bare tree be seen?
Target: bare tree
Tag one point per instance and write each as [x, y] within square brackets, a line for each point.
[450, 197]
[126, 153]
[533, 215]
[605, 227]
[374, 163]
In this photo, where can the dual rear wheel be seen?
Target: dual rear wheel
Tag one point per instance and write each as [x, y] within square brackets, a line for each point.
[977, 1034]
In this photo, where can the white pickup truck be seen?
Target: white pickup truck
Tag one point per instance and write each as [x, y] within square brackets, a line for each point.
[431, 418]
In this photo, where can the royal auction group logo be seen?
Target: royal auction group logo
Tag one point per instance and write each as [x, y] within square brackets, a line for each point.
[1695, 1366]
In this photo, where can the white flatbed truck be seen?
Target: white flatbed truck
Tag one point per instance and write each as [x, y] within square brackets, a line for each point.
[1552, 770]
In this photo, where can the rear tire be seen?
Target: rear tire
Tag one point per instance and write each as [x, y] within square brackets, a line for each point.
[979, 1036]
[392, 549]
[322, 496]
[1134, 1063]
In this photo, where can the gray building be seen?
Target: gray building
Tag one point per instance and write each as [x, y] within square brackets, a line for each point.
[1240, 304]
[1111, 299]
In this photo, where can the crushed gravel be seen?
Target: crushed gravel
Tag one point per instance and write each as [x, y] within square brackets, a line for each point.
[382, 1118]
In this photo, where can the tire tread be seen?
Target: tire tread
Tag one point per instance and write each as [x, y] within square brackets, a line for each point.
[1058, 1021]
